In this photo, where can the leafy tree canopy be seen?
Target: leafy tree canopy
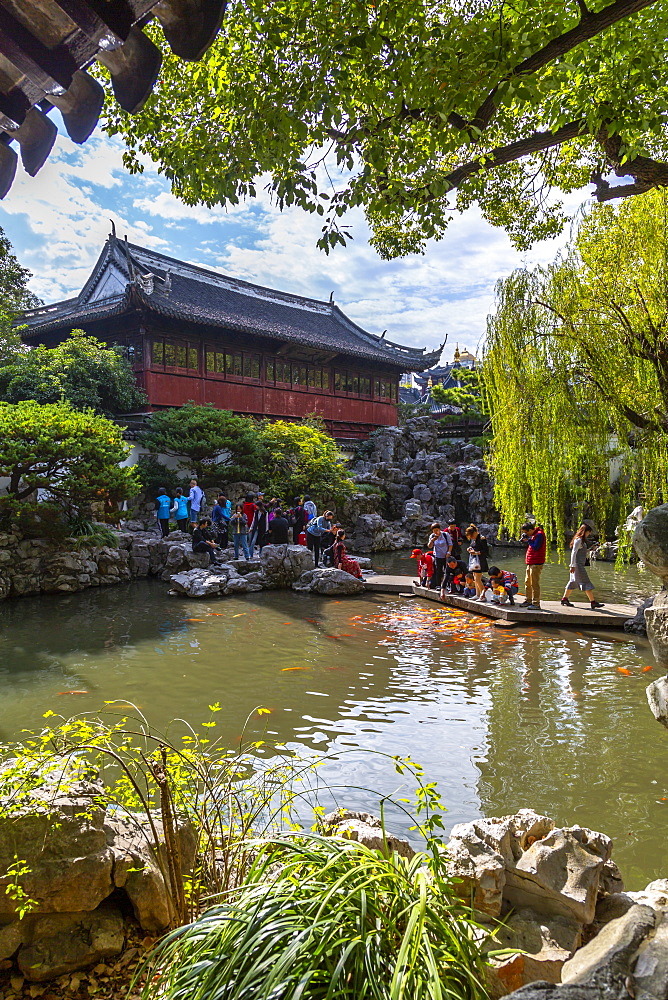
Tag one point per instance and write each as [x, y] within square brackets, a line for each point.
[576, 370]
[466, 395]
[72, 456]
[213, 444]
[303, 458]
[15, 298]
[420, 109]
[81, 370]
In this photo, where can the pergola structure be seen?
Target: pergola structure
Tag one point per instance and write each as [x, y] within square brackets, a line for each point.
[47, 45]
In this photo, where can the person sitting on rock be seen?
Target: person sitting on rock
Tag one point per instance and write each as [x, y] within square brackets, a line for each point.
[341, 558]
[203, 539]
[470, 588]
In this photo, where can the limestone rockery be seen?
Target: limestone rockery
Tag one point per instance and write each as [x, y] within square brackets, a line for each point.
[419, 478]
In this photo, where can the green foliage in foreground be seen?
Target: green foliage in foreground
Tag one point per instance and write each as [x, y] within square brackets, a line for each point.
[81, 371]
[319, 918]
[422, 109]
[299, 916]
[73, 456]
[576, 372]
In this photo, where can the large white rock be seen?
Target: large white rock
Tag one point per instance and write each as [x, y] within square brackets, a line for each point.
[545, 943]
[328, 581]
[560, 874]
[607, 960]
[367, 829]
[655, 895]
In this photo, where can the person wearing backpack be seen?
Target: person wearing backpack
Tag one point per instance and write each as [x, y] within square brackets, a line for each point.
[310, 508]
[163, 505]
[180, 510]
[315, 529]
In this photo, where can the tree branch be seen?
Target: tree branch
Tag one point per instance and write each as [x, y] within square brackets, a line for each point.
[588, 27]
[515, 151]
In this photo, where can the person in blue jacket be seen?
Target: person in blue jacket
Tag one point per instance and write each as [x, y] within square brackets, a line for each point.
[163, 506]
[180, 510]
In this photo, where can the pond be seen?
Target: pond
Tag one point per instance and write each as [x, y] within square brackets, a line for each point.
[537, 717]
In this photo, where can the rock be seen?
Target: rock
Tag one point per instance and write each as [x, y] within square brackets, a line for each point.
[606, 962]
[548, 991]
[328, 581]
[139, 864]
[547, 943]
[650, 975]
[637, 625]
[657, 698]
[282, 565]
[650, 541]
[656, 623]
[62, 942]
[610, 907]
[655, 895]
[11, 938]
[611, 878]
[480, 854]
[478, 867]
[560, 874]
[366, 829]
[59, 830]
[199, 582]
[504, 975]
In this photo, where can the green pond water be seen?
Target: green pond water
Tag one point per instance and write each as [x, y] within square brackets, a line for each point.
[536, 717]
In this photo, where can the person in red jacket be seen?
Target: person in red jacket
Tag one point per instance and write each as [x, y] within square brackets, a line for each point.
[535, 560]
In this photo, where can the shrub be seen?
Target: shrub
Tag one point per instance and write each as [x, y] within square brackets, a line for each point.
[73, 457]
[303, 458]
[211, 444]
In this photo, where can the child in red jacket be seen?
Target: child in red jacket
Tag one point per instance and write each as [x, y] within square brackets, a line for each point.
[425, 566]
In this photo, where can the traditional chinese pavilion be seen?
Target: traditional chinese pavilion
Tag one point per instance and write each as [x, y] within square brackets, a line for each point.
[195, 334]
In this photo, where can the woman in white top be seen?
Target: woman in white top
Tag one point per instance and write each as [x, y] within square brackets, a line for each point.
[579, 576]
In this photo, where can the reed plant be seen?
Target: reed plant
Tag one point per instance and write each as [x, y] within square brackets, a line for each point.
[324, 918]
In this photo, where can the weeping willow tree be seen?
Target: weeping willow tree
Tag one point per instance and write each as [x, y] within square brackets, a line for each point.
[576, 372]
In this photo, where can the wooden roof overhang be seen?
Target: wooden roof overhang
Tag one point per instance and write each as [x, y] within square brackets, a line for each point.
[46, 45]
[66, 316]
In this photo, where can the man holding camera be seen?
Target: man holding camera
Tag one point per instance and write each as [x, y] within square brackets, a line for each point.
[535, 560]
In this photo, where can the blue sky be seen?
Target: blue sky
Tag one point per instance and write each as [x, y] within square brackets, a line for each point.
[58, 222]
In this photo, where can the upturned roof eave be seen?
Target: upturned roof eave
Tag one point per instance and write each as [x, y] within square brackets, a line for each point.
[135, 297]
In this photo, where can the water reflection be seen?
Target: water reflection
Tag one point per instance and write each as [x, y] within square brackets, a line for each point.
[500, 720]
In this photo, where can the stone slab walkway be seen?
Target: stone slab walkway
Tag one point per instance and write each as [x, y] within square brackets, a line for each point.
[611, 616]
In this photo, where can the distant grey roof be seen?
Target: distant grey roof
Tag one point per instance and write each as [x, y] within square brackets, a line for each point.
[127, 275]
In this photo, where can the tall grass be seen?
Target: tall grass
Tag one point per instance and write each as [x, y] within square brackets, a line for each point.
[321, 918]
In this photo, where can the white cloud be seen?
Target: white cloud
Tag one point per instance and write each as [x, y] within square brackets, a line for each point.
[59, 221]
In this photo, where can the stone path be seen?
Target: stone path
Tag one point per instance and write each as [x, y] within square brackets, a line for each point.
[612, 616]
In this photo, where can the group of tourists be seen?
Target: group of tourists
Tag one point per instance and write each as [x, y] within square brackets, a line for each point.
[254, 522]
[456, 563]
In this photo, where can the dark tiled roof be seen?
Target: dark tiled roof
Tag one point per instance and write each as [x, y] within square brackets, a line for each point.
[188, 292]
